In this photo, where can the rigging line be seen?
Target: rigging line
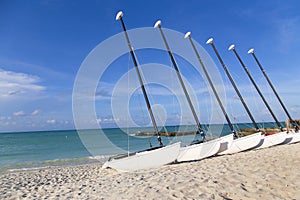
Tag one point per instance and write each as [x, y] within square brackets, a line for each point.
[141, 109]
[150, 95]
[258, 90]
[235, 119]
[200, 129]
[141, 81]
[211, 85]
[145, 122]
[251, 51]
[151, 99]
[173, 86]
[140, 103]
[128, 106]
[210, 41]
[188, 70]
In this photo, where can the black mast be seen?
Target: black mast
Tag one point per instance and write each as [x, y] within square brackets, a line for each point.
[188, 35]
[210, 41]
[200, 129]
[251, 51]
[258, 90]
[119, 17]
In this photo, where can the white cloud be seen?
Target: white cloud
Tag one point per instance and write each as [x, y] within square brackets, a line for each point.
[51, 121]
[36, 112]
[19, 113]
[107, 119]
[14, 83]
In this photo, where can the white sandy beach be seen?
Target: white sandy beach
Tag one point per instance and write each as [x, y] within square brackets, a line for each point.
[272, 173]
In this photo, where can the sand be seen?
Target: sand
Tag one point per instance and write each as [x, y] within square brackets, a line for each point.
[271, 173]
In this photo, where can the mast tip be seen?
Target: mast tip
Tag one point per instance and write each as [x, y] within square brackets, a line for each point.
[187, 35]
[231, 47]
[119, 15]
[210, 41]
[157, 24]
[251, 51]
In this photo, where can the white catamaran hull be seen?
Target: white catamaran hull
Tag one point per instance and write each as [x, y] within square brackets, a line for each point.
[271, 140]
[292, 137]
[199, 151]
[296, 137]
[243, 144]
[145, 159]
[225, 143]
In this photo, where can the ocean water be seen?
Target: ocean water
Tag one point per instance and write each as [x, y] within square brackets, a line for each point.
[47, 148]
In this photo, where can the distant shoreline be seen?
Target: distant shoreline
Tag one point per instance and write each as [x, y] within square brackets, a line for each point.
[241, 132]
[107, 128]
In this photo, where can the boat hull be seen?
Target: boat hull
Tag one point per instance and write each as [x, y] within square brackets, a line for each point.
[271, 140]
[145, 159]
[225, 143]
[292, 137]
[199, 151]
[243, 144]
[296, 138]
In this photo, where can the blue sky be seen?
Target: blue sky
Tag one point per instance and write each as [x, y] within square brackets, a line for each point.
[43, 43]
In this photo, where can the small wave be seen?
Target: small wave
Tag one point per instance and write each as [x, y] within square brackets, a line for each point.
[27, 169]
[100, 158]
[56, 162]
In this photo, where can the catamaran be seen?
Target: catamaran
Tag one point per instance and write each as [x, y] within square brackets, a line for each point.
[197, 149]
[150, 158]
[267, 140]
[241, 143]
[238, 144]
[293, 135]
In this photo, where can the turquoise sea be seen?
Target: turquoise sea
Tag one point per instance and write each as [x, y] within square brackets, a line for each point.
[24, 150]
